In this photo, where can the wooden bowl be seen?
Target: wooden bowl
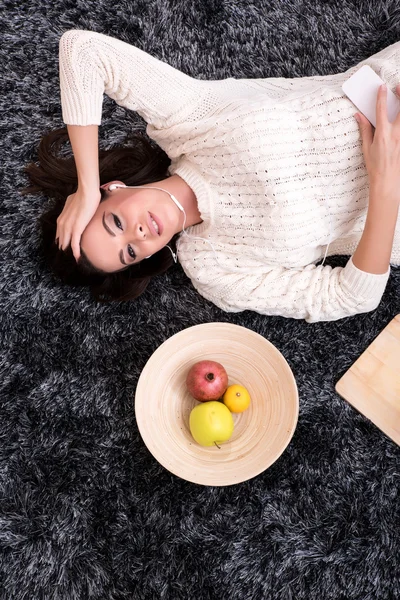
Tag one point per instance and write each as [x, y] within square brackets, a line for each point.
[261, 433]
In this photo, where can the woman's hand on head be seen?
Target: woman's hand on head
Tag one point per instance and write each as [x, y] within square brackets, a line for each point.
[381, 150]
[78, 211]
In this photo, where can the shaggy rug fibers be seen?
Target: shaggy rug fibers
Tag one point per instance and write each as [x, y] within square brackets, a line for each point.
[86, 511]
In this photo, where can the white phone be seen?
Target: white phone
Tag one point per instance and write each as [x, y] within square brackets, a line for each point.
[362, 89]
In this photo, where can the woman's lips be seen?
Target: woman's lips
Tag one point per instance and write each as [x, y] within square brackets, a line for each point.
[159, 224]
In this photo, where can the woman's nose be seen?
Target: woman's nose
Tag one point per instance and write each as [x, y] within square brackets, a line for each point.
[141, 231]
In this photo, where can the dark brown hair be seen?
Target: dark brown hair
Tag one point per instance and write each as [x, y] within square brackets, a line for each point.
[138, 162]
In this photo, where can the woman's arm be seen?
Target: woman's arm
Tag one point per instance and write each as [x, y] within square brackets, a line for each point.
[382, 157]
[317, 293]
[375, 246]
[84, 143]
[92, 64]
[314, 293]
[81, 206]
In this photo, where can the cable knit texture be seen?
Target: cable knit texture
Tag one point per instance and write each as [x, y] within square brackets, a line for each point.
[276, 166]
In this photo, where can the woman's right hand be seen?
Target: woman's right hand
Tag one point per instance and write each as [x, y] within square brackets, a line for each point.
[77, 213]
[381, 151]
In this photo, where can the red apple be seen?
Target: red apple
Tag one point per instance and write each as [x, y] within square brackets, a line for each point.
[207, 380]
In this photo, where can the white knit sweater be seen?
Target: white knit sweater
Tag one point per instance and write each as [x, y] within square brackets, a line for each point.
[276, 166]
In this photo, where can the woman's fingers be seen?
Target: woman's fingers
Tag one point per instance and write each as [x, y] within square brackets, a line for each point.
[367, 135]
[397, 119]
[381, 107]
[78, 211]
[65, 239]
[59, 234]
[382, 155]
[62, 223]
[75, 245]
[65, 225]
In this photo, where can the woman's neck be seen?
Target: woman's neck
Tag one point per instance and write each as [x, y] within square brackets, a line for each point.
[185, 195]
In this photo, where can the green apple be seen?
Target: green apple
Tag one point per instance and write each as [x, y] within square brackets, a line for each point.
[210, 423]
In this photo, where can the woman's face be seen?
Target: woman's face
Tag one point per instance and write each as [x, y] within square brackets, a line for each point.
[128, 226]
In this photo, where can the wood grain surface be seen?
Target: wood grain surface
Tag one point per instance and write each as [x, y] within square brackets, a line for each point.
[372, 384]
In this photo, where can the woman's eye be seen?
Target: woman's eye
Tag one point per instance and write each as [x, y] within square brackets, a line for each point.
[131, 252]
[117, 222]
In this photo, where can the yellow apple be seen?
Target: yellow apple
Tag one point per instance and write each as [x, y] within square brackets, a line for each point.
[211, 423]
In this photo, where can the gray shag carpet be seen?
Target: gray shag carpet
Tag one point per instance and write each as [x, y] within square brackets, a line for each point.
[86, 511]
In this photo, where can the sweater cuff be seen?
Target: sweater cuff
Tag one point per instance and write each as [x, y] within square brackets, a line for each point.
[81, 113]
[369, 286]
[81, 108]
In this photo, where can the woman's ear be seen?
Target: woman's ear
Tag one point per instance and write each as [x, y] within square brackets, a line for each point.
[105, 186]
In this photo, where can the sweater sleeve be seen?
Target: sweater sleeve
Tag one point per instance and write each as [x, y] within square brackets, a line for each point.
[92, 64]
[314, 293]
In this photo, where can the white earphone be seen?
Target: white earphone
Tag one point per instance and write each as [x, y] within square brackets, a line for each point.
[115, 186]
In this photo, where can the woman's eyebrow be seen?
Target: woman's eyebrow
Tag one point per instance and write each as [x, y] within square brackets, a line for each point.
[106, 227]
